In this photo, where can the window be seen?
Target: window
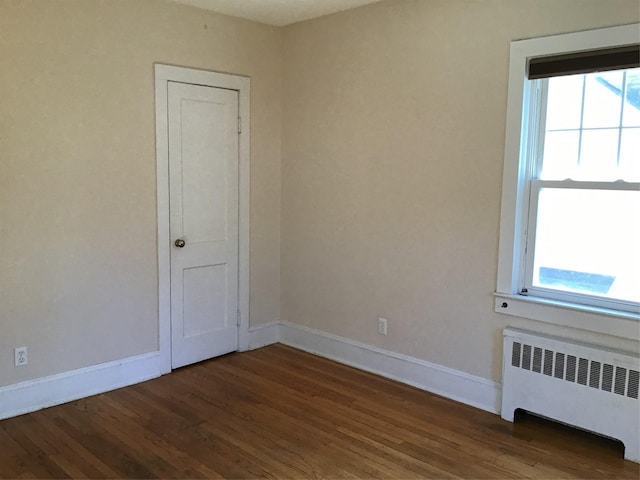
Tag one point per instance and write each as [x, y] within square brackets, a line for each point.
[570, 224]
[583, 239]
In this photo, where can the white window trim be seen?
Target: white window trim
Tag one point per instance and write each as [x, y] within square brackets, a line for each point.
[515, 187]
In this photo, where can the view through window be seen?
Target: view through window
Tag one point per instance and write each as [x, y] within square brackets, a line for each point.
[584, 217]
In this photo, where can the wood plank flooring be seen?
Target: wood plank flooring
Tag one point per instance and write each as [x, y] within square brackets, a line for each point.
[281, 413]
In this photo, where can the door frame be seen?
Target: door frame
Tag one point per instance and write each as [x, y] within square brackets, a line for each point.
[241, 84]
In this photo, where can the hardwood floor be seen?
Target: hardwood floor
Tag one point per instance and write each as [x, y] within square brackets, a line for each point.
[281, 413]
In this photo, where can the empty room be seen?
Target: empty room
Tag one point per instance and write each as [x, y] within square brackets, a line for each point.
[408, 246]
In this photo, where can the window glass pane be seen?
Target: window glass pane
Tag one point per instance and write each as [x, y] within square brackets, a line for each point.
[560, 155]
[602, 99]
[587, 242]
[599, 155]
[630, 155]
[564, 102]
[631, 115]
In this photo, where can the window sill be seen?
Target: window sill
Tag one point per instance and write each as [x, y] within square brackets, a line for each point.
[601, 320]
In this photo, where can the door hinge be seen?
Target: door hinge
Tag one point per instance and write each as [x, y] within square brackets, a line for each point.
[239, 125]
[238, 316]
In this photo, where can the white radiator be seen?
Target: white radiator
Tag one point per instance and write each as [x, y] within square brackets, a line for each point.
[586, 386]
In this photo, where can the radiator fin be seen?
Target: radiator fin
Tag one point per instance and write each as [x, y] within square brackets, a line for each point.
[570, 368]
[594, 375]
[526, 357]
[583, 367]
[634, 378]
[607, 377]
[548, 362]
[559, 370]
[515, 355]
[621, 377]
[537, 359]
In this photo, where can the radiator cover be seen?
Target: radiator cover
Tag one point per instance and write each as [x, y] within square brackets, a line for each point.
[582, 385]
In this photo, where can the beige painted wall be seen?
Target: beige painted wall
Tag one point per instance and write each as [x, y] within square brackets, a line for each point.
[78, 270]
[394, 122]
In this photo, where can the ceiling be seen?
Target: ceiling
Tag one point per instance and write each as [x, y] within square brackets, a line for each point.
[276, 12]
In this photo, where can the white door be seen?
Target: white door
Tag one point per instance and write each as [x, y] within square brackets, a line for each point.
[203, 221]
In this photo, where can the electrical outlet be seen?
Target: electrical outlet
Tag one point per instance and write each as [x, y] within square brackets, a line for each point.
[382, 326]
[21, 357]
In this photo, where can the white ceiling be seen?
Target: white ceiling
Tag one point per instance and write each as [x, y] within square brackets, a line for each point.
[276, 12]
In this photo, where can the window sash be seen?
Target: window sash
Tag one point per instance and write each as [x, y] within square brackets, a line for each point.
[527, 272]
[535, 129]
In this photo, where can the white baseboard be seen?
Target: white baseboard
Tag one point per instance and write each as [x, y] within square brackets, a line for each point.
[447, 382]
[263, 335]
[32, 395]
[37, 394]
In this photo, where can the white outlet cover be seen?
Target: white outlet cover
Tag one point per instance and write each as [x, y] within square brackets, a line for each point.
[21, 358]
[382, 326]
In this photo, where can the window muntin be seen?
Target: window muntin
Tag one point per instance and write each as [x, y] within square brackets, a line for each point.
[583, 232]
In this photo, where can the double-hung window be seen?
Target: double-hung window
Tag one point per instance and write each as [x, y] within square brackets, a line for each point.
[570, 224]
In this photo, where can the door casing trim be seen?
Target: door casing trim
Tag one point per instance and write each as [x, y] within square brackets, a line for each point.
[241, 84]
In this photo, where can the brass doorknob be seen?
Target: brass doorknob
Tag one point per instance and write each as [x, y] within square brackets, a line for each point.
[179, 243]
